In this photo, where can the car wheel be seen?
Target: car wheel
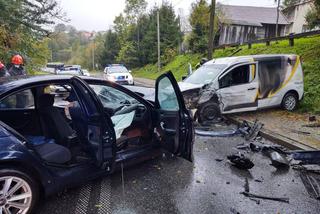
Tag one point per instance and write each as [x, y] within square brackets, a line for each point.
[18, 192]
[290, 102]
[208, 113]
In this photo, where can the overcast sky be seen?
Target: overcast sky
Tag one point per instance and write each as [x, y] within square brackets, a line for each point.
[98, 15]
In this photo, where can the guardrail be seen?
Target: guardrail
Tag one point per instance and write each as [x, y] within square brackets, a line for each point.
[289, 37]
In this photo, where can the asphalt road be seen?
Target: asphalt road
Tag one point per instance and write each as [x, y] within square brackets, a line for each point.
[173, 185]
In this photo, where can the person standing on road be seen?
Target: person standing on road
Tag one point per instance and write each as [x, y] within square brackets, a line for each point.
[17, 66]
[3, 70]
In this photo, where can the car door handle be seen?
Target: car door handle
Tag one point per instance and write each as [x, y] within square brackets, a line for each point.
[167, 131]
[250, 89]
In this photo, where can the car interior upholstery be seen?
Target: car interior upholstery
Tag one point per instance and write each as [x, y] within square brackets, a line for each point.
[59, 140]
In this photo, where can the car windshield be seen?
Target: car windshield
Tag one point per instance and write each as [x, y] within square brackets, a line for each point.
[118, 69]
[205, 74]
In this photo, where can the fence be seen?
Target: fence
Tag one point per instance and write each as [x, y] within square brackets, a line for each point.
[289, 37]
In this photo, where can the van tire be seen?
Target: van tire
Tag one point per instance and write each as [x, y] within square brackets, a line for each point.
[290, 101]
[208, 112]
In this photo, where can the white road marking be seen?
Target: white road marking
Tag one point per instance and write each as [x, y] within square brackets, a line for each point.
[83, 200]
[105, 197]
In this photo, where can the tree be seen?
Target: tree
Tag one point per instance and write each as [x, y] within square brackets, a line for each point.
[23, 25]
[313, 16]
[199, 21]
[111, 48]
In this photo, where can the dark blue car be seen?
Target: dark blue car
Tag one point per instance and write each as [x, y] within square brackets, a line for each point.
[61, 131]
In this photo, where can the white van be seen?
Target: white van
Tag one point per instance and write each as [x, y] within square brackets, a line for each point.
[244, 83]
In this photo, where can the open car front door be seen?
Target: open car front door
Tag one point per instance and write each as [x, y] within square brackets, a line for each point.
[99, 129]
[175, 127]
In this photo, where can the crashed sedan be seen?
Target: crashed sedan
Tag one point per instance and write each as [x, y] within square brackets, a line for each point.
[50, 141]
[244, 83]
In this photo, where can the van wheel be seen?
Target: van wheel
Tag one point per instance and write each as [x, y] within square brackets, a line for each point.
[19, 192]
[290, 102]
[209, 113]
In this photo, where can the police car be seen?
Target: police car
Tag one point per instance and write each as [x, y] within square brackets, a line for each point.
[118, 73]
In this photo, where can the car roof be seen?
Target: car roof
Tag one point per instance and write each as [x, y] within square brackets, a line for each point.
[248, 58]
[10, 83]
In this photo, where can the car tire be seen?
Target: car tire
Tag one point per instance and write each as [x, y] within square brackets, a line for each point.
[28, 189]
[208, 113]
[290, 102]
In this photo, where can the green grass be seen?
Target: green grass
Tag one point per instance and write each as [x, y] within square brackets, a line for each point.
[307, 48]
[179, 67]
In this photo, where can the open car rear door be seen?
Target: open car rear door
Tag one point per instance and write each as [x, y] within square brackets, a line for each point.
[174, 124]
[100, 132]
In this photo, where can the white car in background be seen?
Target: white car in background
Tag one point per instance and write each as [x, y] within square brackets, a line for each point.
[85, 72]
[119, 74]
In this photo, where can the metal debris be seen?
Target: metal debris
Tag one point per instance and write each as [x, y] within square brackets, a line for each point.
[307, 157]
[209, 133]
[278, 160]
[251, 195]
[240, 161]
[250, 132]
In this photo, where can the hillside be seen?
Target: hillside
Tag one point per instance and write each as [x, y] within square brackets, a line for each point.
[307, 48]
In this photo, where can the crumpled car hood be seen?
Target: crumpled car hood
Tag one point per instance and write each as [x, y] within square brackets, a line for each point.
[184, 86]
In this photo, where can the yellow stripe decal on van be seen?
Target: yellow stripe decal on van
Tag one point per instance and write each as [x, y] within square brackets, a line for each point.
[295, 67]
[253, 71]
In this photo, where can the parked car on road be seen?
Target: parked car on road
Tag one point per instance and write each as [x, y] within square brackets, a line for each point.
[71, 70]
[85, 72]
[244, 83]
[49, 142]
[118, 73]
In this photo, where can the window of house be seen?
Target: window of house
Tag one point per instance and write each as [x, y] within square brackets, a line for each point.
[237, 76]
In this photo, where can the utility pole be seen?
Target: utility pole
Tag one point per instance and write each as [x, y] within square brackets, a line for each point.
[277, 23]
[158, 30]
[93, 63]
[211, 29]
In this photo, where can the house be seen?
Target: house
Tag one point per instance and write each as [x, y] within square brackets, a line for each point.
[296, 14]
[239, 24]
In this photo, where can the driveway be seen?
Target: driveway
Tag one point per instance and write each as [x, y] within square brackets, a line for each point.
[172, 185]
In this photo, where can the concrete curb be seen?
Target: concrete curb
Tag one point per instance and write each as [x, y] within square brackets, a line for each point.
[276, 138]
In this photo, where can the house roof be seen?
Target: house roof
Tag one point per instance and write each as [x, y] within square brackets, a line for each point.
[253, 16]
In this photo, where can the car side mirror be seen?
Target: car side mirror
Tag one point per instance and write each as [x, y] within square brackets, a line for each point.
[183, 78]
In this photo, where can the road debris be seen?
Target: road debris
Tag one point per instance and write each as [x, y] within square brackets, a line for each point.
[218, 159]
[240, 161]
[312, 118]
[306, 157]
[278, 160]
[250, 132]
[251, 195]
[246, 185]
[210, 133]
[300, 132]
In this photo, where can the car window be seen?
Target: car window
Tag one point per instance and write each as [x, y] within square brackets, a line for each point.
[20, 100]
[166, 95]
[112, 97]
[117, 69]
[237, 76]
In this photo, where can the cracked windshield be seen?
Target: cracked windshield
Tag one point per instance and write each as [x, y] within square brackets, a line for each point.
[159, 106]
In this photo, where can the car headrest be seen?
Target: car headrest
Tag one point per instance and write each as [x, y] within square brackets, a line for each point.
[45, 100]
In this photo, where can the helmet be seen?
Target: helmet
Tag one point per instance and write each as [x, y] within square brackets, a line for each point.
[17, 60]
